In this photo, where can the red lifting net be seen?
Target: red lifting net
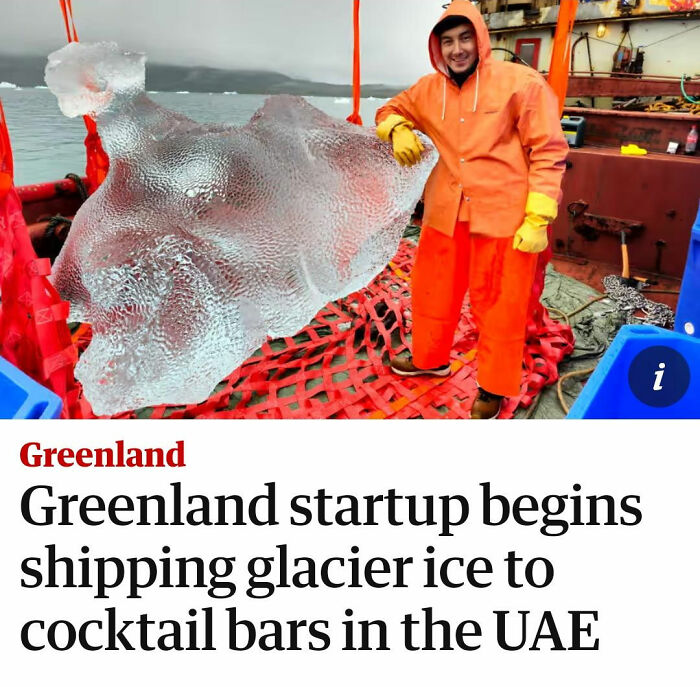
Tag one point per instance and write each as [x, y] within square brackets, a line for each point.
[337, 366]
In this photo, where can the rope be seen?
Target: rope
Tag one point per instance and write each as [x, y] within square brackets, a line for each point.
[80, 186]
[566, 317]
[585, 305]
[514, 55]
[689, 98]
[646, 45]
[598, 40]
[560, 314]
[668, 38]
[54, 223]
[563, 378]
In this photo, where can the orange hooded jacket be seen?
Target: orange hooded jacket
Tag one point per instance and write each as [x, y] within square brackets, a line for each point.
[499, 137]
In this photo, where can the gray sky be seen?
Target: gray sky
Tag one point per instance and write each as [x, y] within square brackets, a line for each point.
[302, 38]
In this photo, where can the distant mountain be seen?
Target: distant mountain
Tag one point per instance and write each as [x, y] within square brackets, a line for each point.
[22, 71]
[29, 71]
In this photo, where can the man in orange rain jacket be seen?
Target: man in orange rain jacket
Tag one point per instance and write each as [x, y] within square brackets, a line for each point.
[488, 201]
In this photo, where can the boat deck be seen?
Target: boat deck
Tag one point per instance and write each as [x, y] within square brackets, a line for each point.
[662, 289]
[338, 366]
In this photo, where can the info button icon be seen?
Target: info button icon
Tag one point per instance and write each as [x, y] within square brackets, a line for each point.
[659, 376]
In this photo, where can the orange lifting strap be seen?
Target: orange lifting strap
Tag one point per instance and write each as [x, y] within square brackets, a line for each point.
[6, 163]
[34, 336]
[561, 50]
[97, 164]
[355, 118]
[67, 9]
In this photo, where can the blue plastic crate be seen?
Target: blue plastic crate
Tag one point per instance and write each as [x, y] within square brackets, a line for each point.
[22, 398]
[631, 368]
[688, 313]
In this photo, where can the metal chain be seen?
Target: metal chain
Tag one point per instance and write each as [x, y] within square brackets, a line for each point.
[629, 300]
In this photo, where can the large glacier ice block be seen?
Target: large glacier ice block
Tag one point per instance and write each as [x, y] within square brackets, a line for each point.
[205, 239]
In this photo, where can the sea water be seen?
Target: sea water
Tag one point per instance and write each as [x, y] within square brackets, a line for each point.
[47, 146]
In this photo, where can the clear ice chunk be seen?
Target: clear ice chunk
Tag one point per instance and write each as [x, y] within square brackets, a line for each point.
[206, 239]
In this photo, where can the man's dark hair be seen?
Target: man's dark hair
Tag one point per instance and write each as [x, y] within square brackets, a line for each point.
[449, 23]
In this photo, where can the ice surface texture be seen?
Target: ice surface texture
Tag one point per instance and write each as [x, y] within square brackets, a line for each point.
[205, 239]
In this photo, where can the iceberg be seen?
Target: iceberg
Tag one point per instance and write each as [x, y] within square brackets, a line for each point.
[205, 239]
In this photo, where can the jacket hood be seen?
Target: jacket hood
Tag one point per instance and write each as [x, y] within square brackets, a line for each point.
[460, 8]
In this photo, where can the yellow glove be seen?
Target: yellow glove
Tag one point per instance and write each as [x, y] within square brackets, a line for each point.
[540, 212]
[407, 146]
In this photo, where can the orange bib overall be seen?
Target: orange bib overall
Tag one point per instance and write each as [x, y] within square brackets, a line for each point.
[499, 280]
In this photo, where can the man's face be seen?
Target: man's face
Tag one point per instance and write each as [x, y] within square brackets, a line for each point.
[459, 48]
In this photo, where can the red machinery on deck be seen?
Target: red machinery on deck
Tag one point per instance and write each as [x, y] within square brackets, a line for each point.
[605, 191]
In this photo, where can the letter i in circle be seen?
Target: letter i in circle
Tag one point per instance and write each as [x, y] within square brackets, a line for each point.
[659, 374]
